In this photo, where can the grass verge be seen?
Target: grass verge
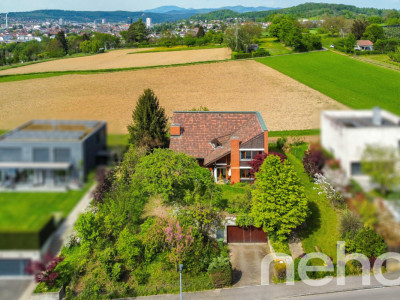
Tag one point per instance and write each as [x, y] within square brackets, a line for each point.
[287, 133]
[20, 77]
[352, 82]
[321, 226]
[178, 48]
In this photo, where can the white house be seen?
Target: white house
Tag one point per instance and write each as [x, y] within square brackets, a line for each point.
[346, 133]
[364, 45]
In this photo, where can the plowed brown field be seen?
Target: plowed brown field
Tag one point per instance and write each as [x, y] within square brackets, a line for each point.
[122, 59]
[237, 85]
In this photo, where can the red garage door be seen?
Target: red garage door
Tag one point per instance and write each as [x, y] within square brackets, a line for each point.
[250, 234]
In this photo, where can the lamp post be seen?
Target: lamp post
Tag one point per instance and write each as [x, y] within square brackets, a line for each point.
[180, 278]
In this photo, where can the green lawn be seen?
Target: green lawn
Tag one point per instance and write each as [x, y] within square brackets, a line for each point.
[274, 46]
[322, 224]
[354, 83]
[30, 211]
[229, 191]
[287, 133]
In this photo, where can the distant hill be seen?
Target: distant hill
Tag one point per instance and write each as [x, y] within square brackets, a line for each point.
[176, 9]
[306, 10]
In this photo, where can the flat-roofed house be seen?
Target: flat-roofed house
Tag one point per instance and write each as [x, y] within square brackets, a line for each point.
[43, 154]
[347, 133]
[223, 141]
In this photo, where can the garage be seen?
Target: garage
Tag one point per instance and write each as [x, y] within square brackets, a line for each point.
[251, 234]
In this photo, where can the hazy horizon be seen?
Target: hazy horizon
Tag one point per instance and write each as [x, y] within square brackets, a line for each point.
[126, 5]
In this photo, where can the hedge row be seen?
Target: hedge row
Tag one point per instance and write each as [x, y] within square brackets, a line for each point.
[237, 55]
[358, 52]
[27, 240]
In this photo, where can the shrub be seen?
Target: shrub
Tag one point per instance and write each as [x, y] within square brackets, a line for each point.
[244, 220]
[116, 272]
[280, 271]
[369, 242]
[281, 142]
[324, 187]
[313, 162]
[239, 55]
[349, 222]
[258, 160]
[141, 276]
[367, 212]
[261, 52]
[220, 270]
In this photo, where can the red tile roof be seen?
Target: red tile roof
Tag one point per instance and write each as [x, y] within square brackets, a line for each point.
[200, 128]
[365, 43]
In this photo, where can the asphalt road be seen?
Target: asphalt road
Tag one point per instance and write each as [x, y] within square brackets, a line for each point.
[13, 289]
[387, 293]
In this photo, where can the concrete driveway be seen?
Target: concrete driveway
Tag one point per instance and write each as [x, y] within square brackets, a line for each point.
[246, 263]
[13, 289]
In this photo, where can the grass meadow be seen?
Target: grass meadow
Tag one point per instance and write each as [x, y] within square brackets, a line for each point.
[354, 83]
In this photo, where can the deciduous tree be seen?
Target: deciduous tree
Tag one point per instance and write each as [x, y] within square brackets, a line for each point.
[279, 203]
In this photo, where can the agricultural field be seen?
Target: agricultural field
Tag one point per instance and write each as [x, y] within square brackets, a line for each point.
[284, 103]
[122, 59]
[351, 82]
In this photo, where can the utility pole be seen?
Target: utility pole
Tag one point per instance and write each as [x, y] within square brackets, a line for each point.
[180, 278]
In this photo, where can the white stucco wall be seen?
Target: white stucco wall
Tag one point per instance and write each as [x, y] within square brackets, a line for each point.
[348, 143]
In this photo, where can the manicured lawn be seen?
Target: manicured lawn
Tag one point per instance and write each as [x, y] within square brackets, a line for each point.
[322, 224]
[354, 83]
[287, 133]
[117, 140]
[229, 191]
[273, 46]
[29, 211]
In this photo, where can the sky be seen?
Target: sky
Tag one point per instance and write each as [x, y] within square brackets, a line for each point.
[136, 5]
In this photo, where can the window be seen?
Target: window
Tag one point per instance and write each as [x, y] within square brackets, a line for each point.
[356, 168]
[41, 155]
[245, 173]
[62, 155]
[10, 154]
[245, 155]
[221, 173]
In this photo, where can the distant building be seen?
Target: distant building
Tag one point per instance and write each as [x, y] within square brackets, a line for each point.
[347, 133]
[148, 23]
[103, 21]
[61, 22]
[45, 155]
[129, 20]
[364, 45]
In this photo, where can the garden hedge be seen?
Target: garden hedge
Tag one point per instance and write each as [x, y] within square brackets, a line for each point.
[27, 240]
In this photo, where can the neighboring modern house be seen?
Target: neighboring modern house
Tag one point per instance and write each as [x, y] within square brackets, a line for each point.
[346, 133]
[222, 141]
[364, 45]
[44, 154]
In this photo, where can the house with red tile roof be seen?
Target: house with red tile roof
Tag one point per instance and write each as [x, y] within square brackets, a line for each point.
[223, 141]
[365, 45]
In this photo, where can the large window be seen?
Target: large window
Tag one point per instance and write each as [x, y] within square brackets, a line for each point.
[10, 154]
[221, 173]
[356, 168]
[41, 155]
[62, 155]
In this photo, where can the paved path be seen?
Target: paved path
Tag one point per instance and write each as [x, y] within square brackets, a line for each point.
[63, 232]
[295, 246]
[246, 261]
[279, 291]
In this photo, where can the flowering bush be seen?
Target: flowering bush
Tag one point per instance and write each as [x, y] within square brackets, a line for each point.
[179, 241]
[325, 188]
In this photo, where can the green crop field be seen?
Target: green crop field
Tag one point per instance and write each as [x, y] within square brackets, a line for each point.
[354, 83]
[274, 46]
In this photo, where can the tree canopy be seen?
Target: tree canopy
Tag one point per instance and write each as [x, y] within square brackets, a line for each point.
[149, 127]
[137, 32]
[279, 203]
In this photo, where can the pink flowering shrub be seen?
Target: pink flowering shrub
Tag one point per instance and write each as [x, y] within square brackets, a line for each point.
[44, 271]
[179, 241]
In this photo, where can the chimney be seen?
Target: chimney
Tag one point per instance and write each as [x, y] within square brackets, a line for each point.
[235, 159]
[175, 130]
[376, 116]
